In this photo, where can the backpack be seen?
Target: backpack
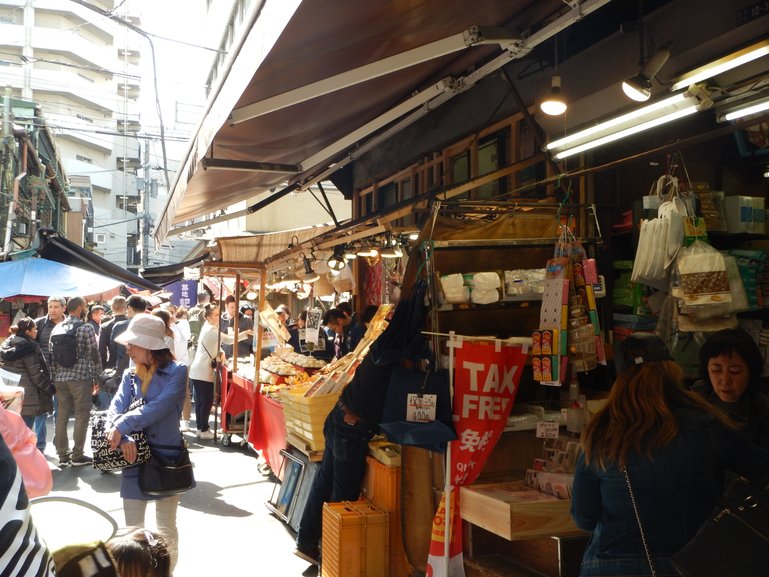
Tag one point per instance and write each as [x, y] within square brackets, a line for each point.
[64, 345]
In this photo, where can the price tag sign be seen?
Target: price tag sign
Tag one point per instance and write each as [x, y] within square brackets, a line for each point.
[421, 408]
[547, 430]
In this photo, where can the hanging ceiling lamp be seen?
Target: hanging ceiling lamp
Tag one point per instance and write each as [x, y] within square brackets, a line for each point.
[554, 104]
[336, 261]
[639, 87]
[391, 248]
[310, 275]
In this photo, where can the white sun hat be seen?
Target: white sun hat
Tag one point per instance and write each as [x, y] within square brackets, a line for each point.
[146, 331]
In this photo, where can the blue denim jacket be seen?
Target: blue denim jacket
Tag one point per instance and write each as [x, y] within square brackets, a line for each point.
[675, 492]
[158, 417]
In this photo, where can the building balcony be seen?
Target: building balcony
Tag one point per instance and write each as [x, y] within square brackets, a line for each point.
[99, 177]
[81, 130]
[99, 95]
[104, 26]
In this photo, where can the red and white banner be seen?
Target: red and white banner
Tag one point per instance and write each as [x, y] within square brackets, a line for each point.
[486, 378]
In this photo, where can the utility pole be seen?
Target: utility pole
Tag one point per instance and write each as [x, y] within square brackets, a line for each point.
[144, 222]
[26, 51]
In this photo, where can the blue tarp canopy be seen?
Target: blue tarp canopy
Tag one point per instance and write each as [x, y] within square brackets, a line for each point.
[44, 278]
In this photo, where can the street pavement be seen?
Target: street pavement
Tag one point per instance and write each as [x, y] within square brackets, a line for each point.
[223, 523]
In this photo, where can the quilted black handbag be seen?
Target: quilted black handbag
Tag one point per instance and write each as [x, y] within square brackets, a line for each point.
[734, 540]
[106, 459]
[162, 475]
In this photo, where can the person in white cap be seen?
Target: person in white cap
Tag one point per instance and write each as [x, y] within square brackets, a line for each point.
[160, 382]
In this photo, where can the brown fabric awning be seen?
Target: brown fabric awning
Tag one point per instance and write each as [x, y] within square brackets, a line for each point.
[257, 248]
[318, 41]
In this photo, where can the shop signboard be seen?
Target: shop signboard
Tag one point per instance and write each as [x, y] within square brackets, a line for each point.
[486, 377]
[184, 293]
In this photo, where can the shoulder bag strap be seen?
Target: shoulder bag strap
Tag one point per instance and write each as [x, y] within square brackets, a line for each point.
[205, 349]
[638, 520]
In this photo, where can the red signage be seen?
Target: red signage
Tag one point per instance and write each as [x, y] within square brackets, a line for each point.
[486, 377]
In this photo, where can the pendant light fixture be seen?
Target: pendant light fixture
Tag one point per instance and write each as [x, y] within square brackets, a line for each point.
[554, 104]
[310, 275]
[336, 260]
[639, 87]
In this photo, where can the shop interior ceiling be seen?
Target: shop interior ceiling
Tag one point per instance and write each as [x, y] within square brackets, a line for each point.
[276, 136]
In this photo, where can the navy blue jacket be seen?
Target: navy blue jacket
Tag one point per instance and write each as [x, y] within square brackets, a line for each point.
[675, 492]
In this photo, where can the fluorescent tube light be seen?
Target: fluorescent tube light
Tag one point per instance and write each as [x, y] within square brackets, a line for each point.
[638, 120]
[722, 65]
[627, 132]
[747, 111]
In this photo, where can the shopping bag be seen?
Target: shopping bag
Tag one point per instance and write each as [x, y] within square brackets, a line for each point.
[106, 459]
[412, 395]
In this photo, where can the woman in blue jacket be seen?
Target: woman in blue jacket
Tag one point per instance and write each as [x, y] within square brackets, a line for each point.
[160, 382]
[675, 448]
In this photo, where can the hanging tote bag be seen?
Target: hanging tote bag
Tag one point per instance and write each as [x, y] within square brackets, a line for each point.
[734, 540]
[417, 409]
[162, 475]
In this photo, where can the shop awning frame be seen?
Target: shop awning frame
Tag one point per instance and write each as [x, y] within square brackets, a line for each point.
[53, 246]
[327, 153]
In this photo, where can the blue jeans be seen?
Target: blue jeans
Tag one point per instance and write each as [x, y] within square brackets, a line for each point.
[39, 427]
[204, 400]
[340, 475]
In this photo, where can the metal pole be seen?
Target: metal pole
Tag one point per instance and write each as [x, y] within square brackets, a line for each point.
[144, 223]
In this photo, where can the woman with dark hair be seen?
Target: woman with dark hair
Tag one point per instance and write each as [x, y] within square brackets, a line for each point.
[159, 381]
[666, 443]
[730, 366]
[165, 316]
[140, 553]
[20, 354]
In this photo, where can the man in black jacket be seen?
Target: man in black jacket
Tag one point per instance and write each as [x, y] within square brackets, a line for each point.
[45, 326]
[134, 305]
[107, 348]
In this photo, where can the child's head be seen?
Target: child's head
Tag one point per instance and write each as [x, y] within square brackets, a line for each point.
[140, 553]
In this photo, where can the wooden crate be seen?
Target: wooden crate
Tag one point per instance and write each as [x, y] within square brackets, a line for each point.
[355, 540]
[382, 486]
[514, 511]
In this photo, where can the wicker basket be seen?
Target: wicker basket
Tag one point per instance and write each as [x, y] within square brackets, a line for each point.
[305, 415]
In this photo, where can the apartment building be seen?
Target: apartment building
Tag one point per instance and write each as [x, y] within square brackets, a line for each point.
[82, 69]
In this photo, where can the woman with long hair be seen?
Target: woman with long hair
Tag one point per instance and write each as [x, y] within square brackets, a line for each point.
[158, 381]
[20, 354]
[667, 444]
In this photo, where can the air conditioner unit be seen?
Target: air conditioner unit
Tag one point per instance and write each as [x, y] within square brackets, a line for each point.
[100, 238]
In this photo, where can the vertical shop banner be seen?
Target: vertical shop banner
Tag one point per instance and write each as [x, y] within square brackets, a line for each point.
[184, 293]
[486, 378]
